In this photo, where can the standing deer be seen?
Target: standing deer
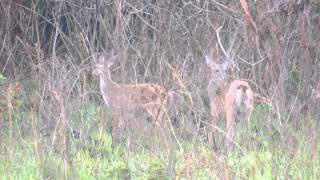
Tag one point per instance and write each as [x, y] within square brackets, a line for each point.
[232, 100]
[125, 99]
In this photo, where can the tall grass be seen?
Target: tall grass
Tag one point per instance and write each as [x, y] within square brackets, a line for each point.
[276, 155]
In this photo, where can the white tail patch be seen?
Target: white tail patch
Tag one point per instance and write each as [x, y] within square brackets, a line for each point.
[238, 98]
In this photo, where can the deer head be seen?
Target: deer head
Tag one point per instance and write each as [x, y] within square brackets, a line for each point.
[103, 65]
[218, 71]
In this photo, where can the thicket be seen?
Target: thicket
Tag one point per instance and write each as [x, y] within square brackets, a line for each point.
[47, 50]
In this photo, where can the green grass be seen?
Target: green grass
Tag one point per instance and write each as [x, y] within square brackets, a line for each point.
[194, 161]
[289, 151]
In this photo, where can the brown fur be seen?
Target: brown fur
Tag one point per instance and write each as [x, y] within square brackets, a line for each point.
[126, 99]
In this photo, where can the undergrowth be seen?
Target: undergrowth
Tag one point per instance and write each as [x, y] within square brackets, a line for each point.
[275, 154]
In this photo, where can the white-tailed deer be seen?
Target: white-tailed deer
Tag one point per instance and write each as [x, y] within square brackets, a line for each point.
[232, 100]
[125, 99]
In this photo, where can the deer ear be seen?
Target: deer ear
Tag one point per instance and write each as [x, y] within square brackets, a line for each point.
[95, 58]
[226, 65]
[101, 59]
[210, 63]
[113, 58]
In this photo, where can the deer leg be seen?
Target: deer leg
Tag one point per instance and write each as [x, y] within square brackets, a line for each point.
[230, 126]
[249, 106]
[248, 116]
[155, 111]
[114, 132]
[118, 126]
[214, 114]
[248, 111]
[214, 117]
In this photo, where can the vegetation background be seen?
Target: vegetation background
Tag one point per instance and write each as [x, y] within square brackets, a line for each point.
[54, 124]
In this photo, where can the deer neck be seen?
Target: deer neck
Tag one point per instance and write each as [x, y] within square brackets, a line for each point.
[106, 81]
[216, 84]
[106, 86]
